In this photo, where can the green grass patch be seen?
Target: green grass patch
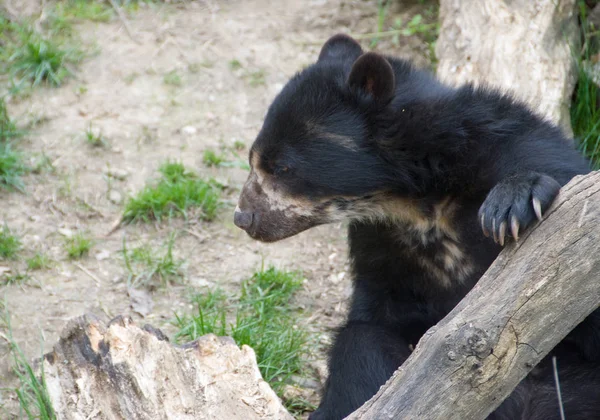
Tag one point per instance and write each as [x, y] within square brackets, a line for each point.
[235, 65]
[257, 78]
[212, 158]
[585, 109]
[10, 244]
[30, 58]
[12, 166]
[31, 392]
[78, 246]
[172, 78]
[148, 267]
[175, 193]
[68, 12]
[95, 138]
[38, 261]
[261, 317]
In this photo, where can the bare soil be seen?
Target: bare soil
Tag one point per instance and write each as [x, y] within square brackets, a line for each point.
[121, 91]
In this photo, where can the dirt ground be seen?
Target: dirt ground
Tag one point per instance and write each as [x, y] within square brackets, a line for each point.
[121, 91]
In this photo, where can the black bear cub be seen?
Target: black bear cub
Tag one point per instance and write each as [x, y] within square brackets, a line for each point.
[434, 180]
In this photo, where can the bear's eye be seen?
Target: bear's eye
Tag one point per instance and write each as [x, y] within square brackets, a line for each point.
[281, 170]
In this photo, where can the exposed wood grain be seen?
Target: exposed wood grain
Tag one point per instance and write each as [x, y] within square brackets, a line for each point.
[524, 46]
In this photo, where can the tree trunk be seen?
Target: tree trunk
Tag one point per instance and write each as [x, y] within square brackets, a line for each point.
[125, 372]
[524, 46]
[536, 291]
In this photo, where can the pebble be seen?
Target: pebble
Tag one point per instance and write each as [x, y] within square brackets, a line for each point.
[115, 197]
[102, 255]
[117, 173]
[189, 130]
[65, 232]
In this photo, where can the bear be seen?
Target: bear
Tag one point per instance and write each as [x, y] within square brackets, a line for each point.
[433, 181]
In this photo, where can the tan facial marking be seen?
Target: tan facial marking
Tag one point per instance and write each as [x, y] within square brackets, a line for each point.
[318, 131]
[277, 201]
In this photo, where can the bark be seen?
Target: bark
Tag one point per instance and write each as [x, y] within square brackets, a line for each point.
[524, 46]
[533, 295]
[126, 372]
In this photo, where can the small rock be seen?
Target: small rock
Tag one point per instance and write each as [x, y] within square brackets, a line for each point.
[120, 174]
[35, 218]
[189, 130]
[65, 232]
[140, 301]
[337, 278]
[102, 255]
[200, 282]
[115, 197]
[4, 270]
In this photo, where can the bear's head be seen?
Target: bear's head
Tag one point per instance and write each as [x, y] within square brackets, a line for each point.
[317, 158]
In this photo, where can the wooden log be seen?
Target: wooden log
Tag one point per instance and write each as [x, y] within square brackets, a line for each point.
[533, 295]
[126, 372]
[525, 46]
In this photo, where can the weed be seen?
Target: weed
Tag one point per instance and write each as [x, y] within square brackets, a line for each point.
[197, 66]
[172, 78]
[16, 278]
[78, 246]
[262, 319]
[177, 191]
[145, 266]
[212, 158]
[130, 78]
[257, 78]
[239, 145]
[32, 59]
[40, 61]
[11, 162]
[94, 137]
[72, 11]
[9, 244]
[11, 167]
[235, 65]
[38, 261]
[585, 109]
[32, 391]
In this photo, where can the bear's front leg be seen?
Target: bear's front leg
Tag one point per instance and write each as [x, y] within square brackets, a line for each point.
[364, 356]
[515, 202]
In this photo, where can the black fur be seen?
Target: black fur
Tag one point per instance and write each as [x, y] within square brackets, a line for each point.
[405, 135]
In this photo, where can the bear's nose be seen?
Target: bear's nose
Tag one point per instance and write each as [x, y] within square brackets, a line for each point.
[243, 219]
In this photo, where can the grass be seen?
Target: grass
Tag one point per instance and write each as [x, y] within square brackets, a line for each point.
[147, 267]
[78, 246]
[235, 65]
[585, 108]
[212, 158]
[262, 319]
[32, 59]
[12, 166]
[31, 391]
[38, 261]
[15, 278]
[10, 244]
[257, 78]
[424, 25]
[172, 78]
[94, 137]
[65, 13]
[175, 193]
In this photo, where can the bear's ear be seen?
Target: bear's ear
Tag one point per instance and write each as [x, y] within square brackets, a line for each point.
[373, 74]
[340, 47]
